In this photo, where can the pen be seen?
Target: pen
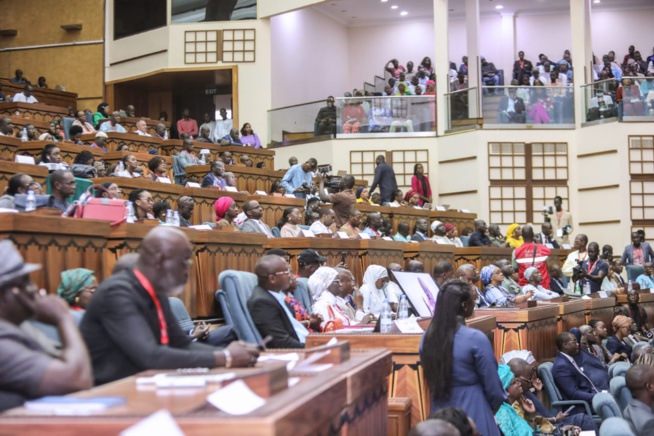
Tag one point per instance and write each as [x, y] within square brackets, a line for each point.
[262, 344]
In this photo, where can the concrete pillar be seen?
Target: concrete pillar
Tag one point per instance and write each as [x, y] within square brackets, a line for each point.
[582, 52]
[507, 40]
[474, 66]
[441, 62]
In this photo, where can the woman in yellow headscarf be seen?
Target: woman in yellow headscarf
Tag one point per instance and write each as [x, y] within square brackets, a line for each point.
[514, 236]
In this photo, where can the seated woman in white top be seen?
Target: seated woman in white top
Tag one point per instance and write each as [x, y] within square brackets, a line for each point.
[540, 293]
[127, 167]
[288, 225]
[398, 199]
[374, 290]
[326, 287]
[613, 282]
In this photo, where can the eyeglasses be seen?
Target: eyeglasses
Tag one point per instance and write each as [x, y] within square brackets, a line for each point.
[279, 273]
[528, 380]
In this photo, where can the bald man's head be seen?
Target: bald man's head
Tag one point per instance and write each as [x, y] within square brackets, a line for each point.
[432, 427]
[415, 266]
[270, 273]
[164, 258]
[637, 378]
[527, 233]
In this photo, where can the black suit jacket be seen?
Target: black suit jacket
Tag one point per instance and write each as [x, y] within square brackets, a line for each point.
[271, 319]
[527, 67]
[518, 106]
[121, 331]
[418, 237]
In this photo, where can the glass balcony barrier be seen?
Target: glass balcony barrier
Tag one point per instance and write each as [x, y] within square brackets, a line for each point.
[462, 109]
[528, 107]
[389, 116]
[299, 123]
[599, 102]
[635, 99]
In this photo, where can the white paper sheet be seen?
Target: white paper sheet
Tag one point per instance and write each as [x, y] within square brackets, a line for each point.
[160, 423]
[236, 399]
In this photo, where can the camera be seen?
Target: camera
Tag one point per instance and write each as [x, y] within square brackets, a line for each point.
[324, 170]
[566, 230]
[577, 268]
[333, 183]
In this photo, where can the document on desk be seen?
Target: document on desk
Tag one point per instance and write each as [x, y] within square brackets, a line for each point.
[290, 358]
[160, 423]
[71, 406]
[236, 399]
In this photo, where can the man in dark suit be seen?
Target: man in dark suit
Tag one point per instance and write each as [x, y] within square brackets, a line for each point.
[253, 224]
[638, 253]
[568, 376]
[129, 326]
[546, 235]
[592, 366]
[512, 108]
[522, 67]
[479, 238]
[420, 233]
[267, 307]
[385, 179]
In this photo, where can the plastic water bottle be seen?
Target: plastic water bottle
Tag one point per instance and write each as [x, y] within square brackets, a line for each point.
[30, 204]
[385, 318]
[169, 217]
[130, 218]
[202, 160]
[586, 288]
[23, 135]
[403, 310]
[176, 221]
[630, 287]
[165, 134]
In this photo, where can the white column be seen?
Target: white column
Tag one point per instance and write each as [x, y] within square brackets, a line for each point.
[510, 52]
[582, 52]
[474, 67]
[441, 62]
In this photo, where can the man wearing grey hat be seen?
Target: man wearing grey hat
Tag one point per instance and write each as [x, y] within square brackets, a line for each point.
[308, 262]
[27, 370]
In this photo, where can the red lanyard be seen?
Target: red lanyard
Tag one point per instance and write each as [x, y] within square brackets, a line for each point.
[592, 267]
[150, 290]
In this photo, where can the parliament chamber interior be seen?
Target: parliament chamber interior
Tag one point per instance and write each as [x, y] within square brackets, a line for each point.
[355, 217]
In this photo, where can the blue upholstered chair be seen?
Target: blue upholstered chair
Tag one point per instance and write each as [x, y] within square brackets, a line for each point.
[66, 124]
[557, 403]
[275, 231]
[620, 392]
[634, 271]
[618, 369]
[302, 293]
[616, 427]
[606, 407]
[235, 289]
[181, 314]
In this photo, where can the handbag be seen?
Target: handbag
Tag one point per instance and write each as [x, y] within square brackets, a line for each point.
[105, 209]
[334, 324]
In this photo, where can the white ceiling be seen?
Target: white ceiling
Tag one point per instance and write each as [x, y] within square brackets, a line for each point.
[374, 12]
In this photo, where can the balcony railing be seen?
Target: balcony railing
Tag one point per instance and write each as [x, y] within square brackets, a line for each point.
[462, 109]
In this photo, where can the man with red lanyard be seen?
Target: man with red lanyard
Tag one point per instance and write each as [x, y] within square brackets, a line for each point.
[579, 255]
[638, 252]
[561, 222]
[530, 254]
[593, 269]
[129, 326]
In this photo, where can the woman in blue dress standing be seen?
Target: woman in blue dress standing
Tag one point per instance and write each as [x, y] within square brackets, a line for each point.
[458, 361]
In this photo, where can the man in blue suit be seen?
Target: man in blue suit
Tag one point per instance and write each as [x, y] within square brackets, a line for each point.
[571, 380]
[592, 366]
[638, 252]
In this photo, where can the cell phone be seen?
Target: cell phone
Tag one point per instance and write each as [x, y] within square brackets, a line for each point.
[569, 410]
[262, 343]
[343, 257]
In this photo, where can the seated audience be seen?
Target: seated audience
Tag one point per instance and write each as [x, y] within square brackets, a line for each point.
[160, 211]
[142, 203]
[420, 231]
[398, 199]
[309, 321]
[267, 307]
[109, 190]
[489, 74]
[232, 138]
[141, 128]
[324, 223]
[495, 235]
[495, 293]
[100, 139]
[556, 279]
[157, 167]
[637, 313]
[28, 372]
[18, 184]
[613, 282]
[645, 280]
[640, 410]
[113, 125]
[569, 378]
[458, 418]
[6, 127]
[63, 188]
[205, 135]
[351, 227]
[599, 349]
[453, 234]
[187, 125]
[226, 211]
[508, 272]
[28, 133]
[74, 134]
[126, 333]
[403, 232]
[534, 279]
[590, 364]
[374, 225]
[288, 224]
[128, 167]
[19, 78]
[215, 177]
[376, 198]
[415, 266]
[512, 108]
[102, 113]
[326, 119]
[514, 236]
[253, 223]
[374, 291]
[440, 233]
[458, 361]
[25, 96]
[363, 195]
[80, 120]
[592, 271]
[83, 165]
[326, 289]
[508, 419]
[478, 238]
[160, 132]
[621, 330]
[248, 137]
[443, 271]
[276, 188]
[185, 206]
[185, 159]
[77, 287]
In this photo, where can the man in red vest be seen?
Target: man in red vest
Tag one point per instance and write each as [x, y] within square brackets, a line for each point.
[530, 254]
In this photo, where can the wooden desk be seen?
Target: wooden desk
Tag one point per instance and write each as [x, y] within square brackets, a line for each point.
[35, 111]
[68, 150]
[247, 179]
[170, 147]
[44, 96]
[353, 249]
[347, 399]
[571, 314]
[430, 253]
[381, 252]
[58, 244]
[136, 143]
[257, 155]
[409, 215]
[602, 309]
[406, 379]
[461, 220]
[481, 256]
[8, 147]
[9, 169]
[532, 329]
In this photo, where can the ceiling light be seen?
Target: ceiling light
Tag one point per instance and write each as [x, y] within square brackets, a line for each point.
[384, 1]
[499, 7]
[394, 7]
[404, 13]
[596, 1]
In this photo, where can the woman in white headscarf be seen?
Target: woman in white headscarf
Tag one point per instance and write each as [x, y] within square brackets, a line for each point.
[374, 290]
[325, 289]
